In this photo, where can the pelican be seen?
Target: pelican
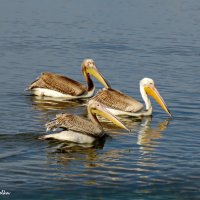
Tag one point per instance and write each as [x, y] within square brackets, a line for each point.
[122, 104]
[78, 129]
[55, 85]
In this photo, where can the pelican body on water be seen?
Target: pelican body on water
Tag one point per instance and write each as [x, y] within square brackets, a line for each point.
[122, 104]
[55, 85]
[78, 129]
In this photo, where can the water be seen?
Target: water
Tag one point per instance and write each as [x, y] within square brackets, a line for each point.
[129, 40]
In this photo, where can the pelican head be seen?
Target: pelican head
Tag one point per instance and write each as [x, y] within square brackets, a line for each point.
[147, 86]
[89, 67]
[96, 108]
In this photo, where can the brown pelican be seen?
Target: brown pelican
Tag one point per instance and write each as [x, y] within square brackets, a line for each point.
[55, 85]
[121, 104]
[78, 129]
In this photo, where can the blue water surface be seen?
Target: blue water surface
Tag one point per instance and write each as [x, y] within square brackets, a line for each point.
[129, 40]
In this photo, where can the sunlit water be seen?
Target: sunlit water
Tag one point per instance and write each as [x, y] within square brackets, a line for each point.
[129, 40]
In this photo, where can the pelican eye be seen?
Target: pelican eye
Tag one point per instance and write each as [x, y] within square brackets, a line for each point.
[90, 64]
[150, 84]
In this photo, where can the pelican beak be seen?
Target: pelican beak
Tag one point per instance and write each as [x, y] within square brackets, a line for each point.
[105, 113]
[94, 71]
[152, 91]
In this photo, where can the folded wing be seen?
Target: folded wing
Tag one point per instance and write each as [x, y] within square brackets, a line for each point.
[117, 100]
[74, 123]
[58, 83]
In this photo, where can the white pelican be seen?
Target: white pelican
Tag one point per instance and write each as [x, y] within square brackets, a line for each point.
[121, 104]
[55, 85]
[78, 129]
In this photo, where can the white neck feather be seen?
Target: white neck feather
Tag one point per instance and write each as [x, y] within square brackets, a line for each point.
[145, 97]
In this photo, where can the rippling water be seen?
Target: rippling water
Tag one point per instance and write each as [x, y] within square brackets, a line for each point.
[129, 40]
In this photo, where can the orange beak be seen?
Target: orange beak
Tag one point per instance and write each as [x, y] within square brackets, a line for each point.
[94, 71]
[103, 111]
[152, 91]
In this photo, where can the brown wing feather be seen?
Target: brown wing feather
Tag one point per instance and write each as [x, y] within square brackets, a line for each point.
[117, 100]
[74, 123]
[59, 83]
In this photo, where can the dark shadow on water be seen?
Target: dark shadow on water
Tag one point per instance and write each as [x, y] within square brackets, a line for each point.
[56, 146]
[66, 152]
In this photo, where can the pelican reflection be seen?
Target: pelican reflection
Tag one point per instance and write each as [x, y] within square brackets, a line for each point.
[49, 103]
[148, 137]
[66, 152]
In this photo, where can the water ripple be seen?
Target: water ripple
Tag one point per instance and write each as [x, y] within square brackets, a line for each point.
[129, 40]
